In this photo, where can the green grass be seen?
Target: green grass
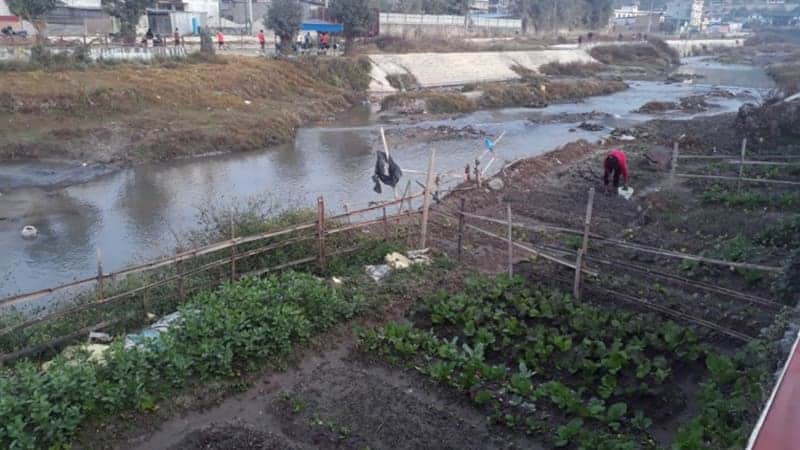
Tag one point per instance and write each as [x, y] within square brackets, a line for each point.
[750, 199]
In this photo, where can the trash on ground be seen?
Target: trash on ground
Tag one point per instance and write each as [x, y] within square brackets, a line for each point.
[378, 272]
[625, 193]
[153, 332]
[626, 137]
[99, 337]
[419, 256]
[496, 184]
[29, 231]
[397, 261]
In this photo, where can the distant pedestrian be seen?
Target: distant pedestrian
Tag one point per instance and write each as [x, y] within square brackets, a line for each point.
[307, 41]
[580, 40]
[615, 165]
[148, 36]
[323, 41]
[262, 40]
[220, 39]
[177, 36]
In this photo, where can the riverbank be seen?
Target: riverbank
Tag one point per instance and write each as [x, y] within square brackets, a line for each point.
[520, 364]
[132, 114]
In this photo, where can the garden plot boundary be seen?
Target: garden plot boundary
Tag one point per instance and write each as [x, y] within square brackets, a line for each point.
[318, 230]
[564, 257]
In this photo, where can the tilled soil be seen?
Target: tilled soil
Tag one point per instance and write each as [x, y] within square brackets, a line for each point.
[553, 189]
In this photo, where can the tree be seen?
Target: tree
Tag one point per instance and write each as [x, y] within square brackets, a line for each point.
[285, 17]
[32, 10]
[355, 16]
[128, 12]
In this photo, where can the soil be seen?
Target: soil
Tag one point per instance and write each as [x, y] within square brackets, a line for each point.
[135, 113]
[553, 189]
[329, 396]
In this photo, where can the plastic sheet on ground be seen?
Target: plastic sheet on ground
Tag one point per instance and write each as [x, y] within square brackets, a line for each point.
[153, 332]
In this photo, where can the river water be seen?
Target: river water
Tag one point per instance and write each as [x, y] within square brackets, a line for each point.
[135, 214]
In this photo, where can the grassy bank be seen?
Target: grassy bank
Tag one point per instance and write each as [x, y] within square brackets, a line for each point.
[653, 54]
[134, 113]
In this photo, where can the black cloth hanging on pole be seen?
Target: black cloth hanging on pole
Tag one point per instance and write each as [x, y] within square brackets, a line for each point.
[390, 177]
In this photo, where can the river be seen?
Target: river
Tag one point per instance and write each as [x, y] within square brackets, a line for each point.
[135, 214]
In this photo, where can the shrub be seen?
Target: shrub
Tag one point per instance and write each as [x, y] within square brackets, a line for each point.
[574, 69]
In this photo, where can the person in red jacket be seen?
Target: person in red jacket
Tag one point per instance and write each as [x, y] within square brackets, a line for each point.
[220, 39]
[262, 40]
[616, 164]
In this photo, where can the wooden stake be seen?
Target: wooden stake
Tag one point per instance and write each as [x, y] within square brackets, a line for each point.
[576, 288]
[478, 173]
[321, 231]
[385, 226]
[181, 289]
[233, 250]
[347, 212]
[510, 243]
[461, 220]
[426, 204]
[674, 167]
[741, 165]
[99, 275]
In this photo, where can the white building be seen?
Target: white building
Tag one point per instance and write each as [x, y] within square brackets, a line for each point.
[698, 8]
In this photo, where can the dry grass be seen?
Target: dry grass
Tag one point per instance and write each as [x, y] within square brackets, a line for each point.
[786, 76]
[654, 54]
[574, 69]
[136, 113]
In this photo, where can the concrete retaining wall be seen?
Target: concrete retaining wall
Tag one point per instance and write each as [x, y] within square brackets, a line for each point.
[23, 54]
[452, 69]
[443, 26]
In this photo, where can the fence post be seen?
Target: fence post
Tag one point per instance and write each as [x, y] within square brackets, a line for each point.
[179, 270]
[233, 250]
[576, 288]
[321, 230]
[461, 220]
[674, 167]
[510, 243]
[477, 173]
[385, 225]
[426, 204]
[347, 211]
[741, 165]
[99, 275]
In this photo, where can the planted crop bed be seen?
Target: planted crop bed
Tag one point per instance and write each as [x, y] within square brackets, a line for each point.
[576, 375]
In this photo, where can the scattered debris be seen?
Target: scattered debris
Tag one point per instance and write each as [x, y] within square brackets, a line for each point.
[99, 337]
[591, 126]
[496, 184]
[378, 272]
[153, 332]
[397, 261]
[625, 193]
[419, 256]
[29, 232]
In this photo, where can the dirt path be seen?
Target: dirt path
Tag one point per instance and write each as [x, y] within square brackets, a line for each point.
[332, 399]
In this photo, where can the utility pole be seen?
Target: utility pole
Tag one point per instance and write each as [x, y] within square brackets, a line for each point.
[250, 16]
[555, 18]
[650, 16]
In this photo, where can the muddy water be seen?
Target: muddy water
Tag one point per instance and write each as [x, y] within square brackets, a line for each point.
[135, 214]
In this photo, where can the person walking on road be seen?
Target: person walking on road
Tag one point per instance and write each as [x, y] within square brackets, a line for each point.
[262, 40]
[177, 36]
[220, 39]
[615, 165]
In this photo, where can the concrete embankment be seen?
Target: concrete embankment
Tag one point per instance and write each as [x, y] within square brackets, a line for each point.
[453, 69]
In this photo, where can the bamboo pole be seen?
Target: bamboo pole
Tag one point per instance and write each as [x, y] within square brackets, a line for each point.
[510, 242]
[99, 256]
[233, 250]
[477, 173]
[741, 166]
[405, 194]
[576, 287]
[385, 226]
[461, 220]
[738, 180]
[426, 205]
[321, 231]
[674, 167]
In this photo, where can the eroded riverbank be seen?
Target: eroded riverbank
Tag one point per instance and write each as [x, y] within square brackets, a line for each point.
[137, 213]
